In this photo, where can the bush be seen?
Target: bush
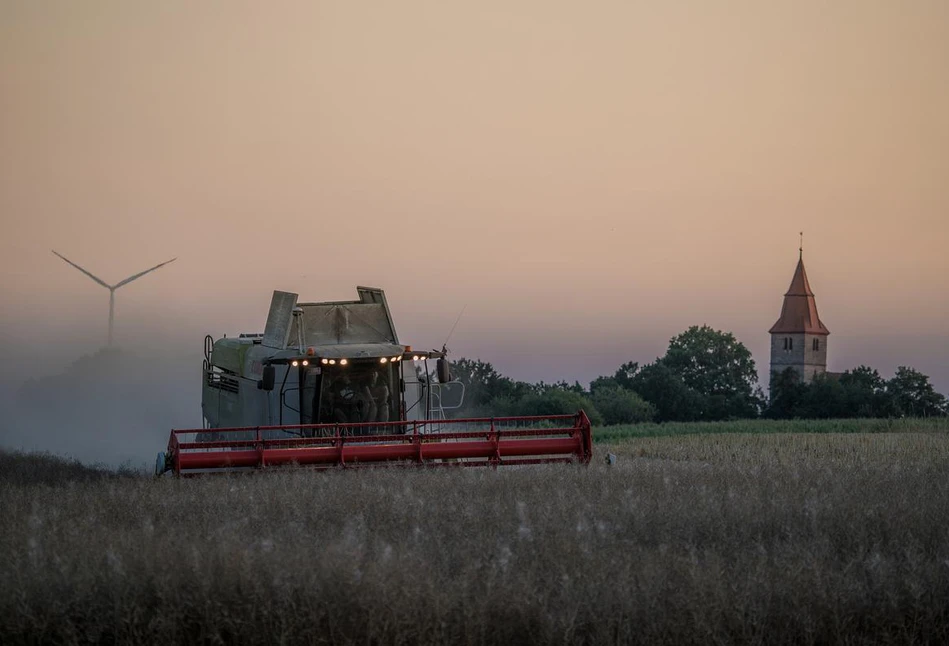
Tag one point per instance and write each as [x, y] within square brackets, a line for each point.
[620, 406]
[556, 401]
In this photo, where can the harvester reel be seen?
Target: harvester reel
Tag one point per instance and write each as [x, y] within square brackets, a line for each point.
[482, 441]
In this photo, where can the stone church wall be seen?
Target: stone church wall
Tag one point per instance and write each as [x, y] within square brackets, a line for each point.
[800, 354]
[792, 356]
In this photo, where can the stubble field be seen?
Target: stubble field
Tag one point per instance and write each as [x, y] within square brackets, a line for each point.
[750, 538]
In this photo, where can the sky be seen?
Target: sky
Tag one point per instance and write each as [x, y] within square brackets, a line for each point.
[584, 180]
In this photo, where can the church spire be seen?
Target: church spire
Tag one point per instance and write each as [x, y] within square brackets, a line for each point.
[799, 311]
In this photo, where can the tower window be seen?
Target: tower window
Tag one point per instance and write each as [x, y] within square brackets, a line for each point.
[816, 345]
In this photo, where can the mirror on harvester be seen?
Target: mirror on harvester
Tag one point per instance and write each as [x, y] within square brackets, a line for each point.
[444, 371]
[268, 378]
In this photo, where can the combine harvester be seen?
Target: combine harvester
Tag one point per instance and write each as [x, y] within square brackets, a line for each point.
[328, 385]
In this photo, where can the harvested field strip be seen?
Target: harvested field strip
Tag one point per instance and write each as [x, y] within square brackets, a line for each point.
[607, 434]
[739, 538]
[902, 450]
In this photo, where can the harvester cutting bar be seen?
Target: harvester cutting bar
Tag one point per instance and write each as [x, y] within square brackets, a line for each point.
[497, 441]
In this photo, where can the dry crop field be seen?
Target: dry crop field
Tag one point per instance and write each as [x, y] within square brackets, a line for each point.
[730, 538]
[623, 432]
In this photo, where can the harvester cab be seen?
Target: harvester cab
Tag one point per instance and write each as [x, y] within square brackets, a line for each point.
[329, 384]
[324, 363]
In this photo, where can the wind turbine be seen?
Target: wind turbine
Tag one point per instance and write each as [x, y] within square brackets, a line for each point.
[114, 287]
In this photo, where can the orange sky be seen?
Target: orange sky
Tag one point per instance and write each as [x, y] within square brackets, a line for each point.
[588, 178]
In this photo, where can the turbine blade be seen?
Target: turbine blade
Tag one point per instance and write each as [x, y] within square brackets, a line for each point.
[95, 278]
[142, 273]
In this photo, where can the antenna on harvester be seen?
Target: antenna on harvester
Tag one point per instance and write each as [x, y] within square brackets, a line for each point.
[800, 250]
[452, 331]
[114, 287]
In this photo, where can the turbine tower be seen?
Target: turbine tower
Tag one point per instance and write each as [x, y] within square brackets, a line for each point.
[114, 287]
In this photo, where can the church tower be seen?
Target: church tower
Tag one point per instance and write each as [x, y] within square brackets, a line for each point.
[799, 338]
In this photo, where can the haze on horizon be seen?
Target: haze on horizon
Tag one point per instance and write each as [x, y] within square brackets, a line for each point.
[588, 179]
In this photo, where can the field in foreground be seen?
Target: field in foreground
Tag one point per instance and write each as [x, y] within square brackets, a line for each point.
[773, 538]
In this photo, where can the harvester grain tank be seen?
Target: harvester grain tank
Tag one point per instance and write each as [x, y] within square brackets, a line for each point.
[330, 385]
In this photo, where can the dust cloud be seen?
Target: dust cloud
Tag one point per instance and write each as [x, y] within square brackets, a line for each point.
[110, 406]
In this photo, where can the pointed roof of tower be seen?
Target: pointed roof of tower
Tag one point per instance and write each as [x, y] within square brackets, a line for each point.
[799, 312]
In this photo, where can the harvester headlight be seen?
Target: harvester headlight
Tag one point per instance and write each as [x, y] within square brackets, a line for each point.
[305, 362]
[383, 360]
[396, 358]
[295, 364]
[324, 361]
[415, 358]
[332, 362]
[343, 362]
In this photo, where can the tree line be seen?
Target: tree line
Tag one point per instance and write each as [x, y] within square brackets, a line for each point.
[705, 375]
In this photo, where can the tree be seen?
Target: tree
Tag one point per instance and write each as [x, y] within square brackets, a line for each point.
[625, 374]
[824, 398]
[542, 387]
[621, 406]
[866, 394]
[719, 368]
[704, 375]
[913, 395]
[603, 383]
[860, 392]
[557, 401]
[672, 399]
[622, 378]
[787, 395]
[484, 384]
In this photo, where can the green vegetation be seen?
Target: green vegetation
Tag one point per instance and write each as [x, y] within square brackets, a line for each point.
[764, 538]
[705, 375]
[711, 370]
[622, 406]
[860, 392]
